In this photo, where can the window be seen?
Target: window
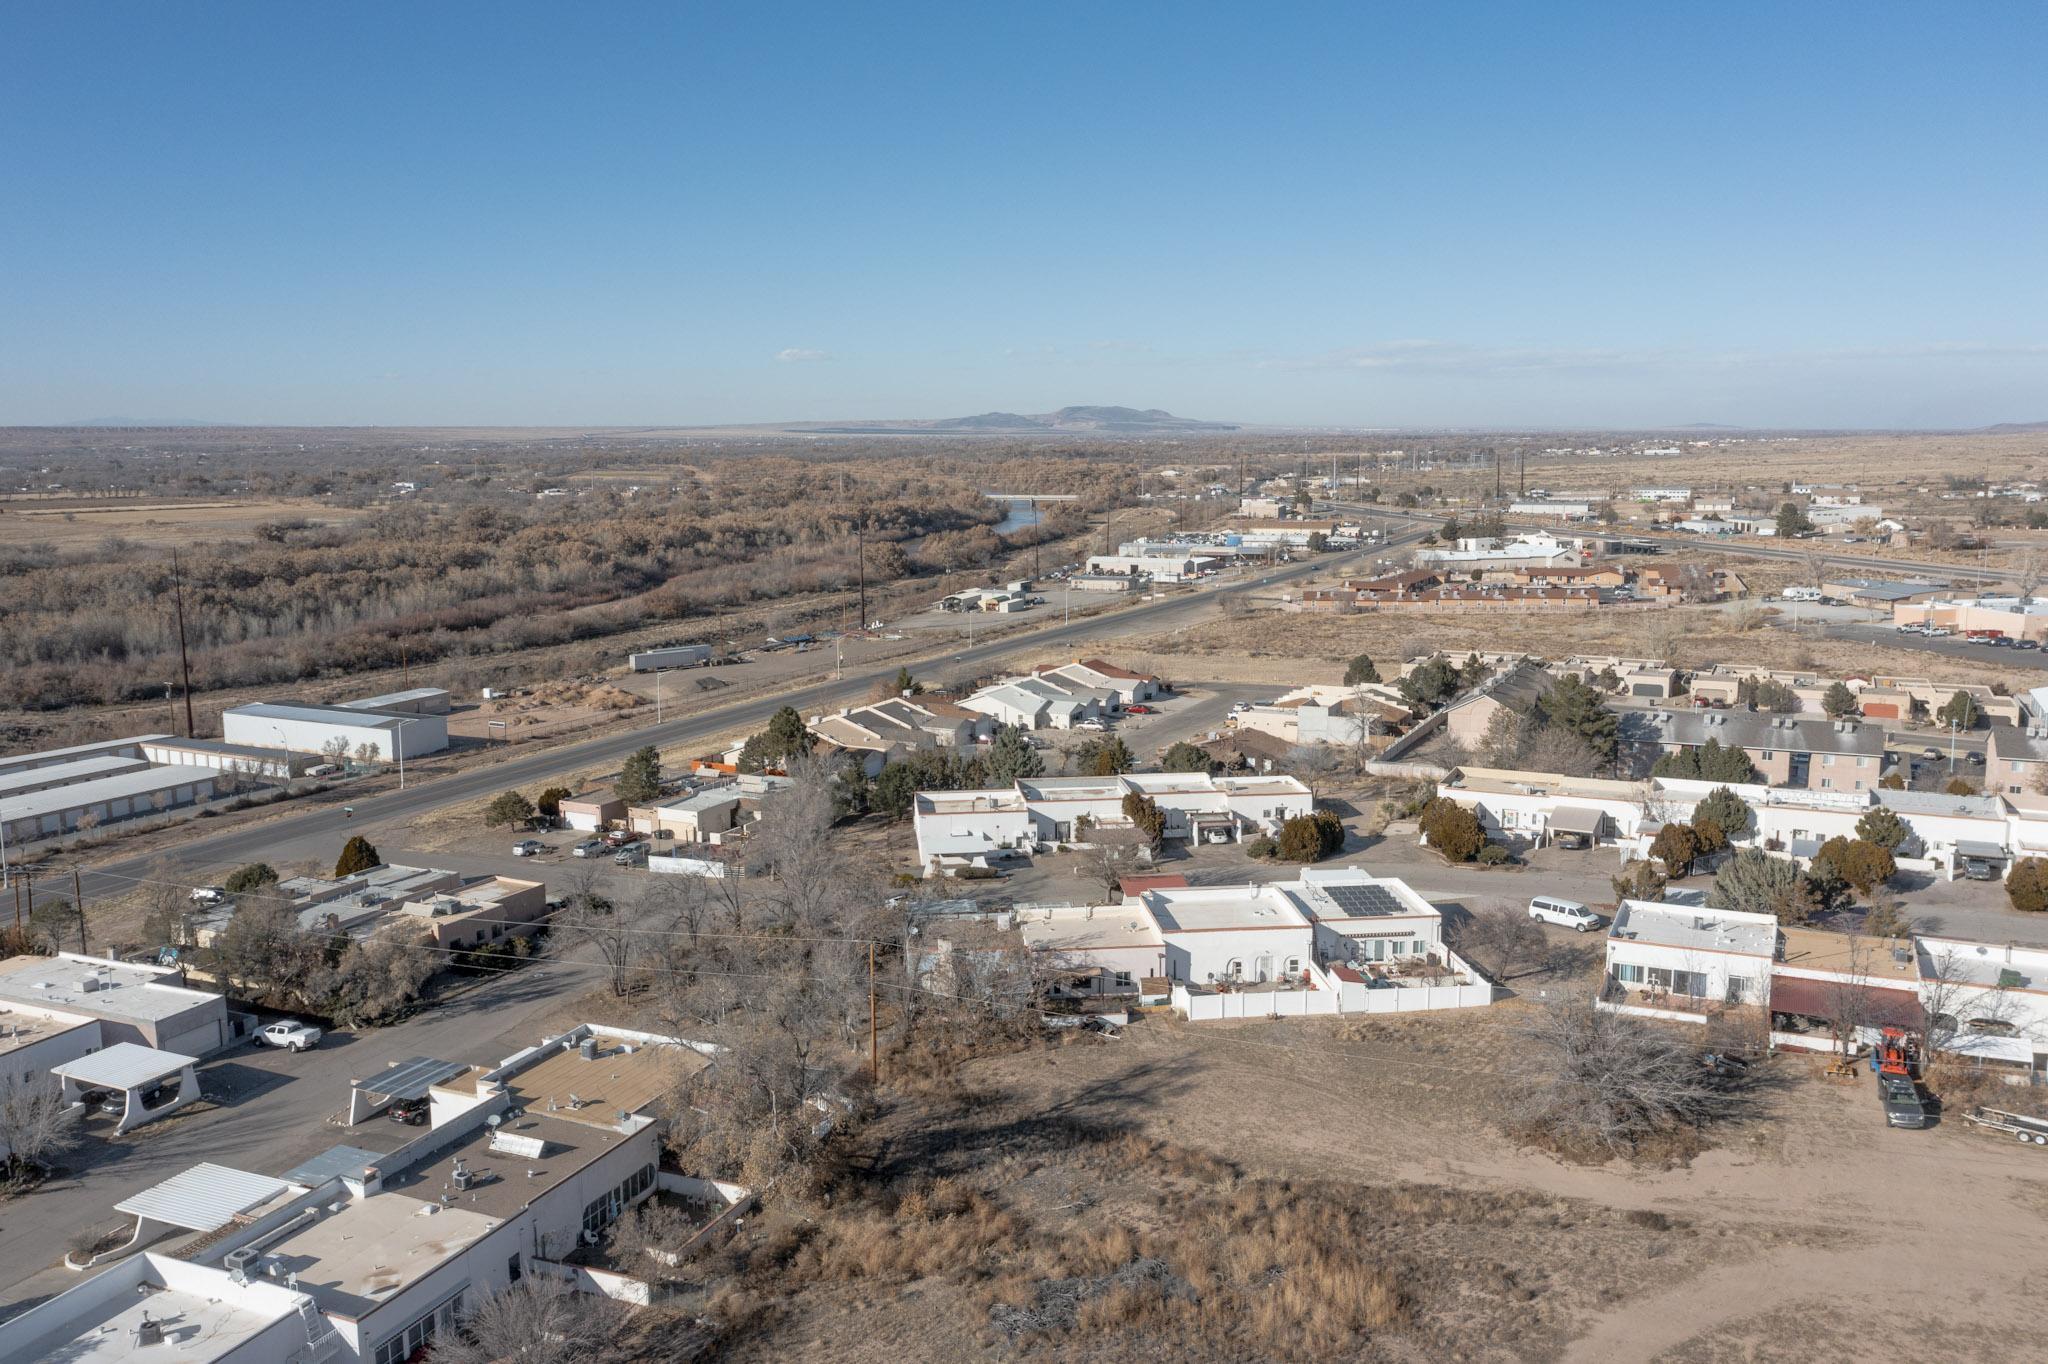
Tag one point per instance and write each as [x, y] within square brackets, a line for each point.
[1827, 760]
[1235, 971]
[1628, 973]
[603, 1211]
[1827, 783]
[415, 1337]
[1294, 966]
[514, 1271]
[1123, 980]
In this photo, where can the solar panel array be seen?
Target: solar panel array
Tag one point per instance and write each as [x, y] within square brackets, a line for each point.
[1364, 902]
[412, 1078]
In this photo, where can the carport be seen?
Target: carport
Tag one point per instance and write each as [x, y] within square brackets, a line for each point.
[204, 1199]
[1825, 1001]
[1576, 826]
[138, 1072]
[1990, 853]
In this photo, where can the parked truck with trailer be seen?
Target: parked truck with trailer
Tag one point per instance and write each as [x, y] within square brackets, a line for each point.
[671, 656]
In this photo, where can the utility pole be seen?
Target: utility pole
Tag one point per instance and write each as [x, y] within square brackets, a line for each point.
[184, 659]
[874, 1064]
[17, 906]
[860, 540]
[78, 900]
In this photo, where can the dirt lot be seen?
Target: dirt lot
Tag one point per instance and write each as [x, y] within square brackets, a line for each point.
[1219, 1161]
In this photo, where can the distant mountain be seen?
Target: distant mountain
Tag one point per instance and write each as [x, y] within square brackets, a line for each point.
[1101, 421]
[141, 421]
[2014, 428]
[1706, 426]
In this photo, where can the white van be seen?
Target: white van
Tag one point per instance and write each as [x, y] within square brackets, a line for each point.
[1549, 909]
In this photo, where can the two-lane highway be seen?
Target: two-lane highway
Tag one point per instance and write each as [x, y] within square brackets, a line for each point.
[324, 829]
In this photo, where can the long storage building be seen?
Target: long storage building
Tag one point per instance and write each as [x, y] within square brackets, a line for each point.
[310, 729]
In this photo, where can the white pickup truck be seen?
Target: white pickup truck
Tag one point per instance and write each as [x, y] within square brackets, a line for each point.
[290, 1034]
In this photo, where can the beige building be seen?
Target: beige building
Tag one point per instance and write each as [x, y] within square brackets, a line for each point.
[1816, 755]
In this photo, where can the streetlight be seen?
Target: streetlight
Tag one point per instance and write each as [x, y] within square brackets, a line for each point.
[657, 694]
[398, 747]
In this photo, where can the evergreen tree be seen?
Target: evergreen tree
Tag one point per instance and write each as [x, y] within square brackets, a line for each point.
[358, 854]
[640, 776]
[1726, 809]
[1578, 709]
[1882, 826]
[1360, 669]
[785, 738]
[508, 807]
[1011, 757]
[1839, 702]
[1186, 757]
[254, 877]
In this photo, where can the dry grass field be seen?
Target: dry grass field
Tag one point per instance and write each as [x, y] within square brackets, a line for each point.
[1341, 1191]
[79, 523]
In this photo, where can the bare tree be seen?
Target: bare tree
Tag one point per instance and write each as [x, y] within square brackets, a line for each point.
[1962, 994]
[34, 1123]
[1597, 1082]
[535, 1321]
[618, 936]
[1112, 855]
[1500, 939]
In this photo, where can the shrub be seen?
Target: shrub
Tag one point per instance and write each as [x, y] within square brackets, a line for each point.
[1311, 837]
[2027, 885]
[255, 876]
[1452, 830]
[1493, 855]
[1677, 847]
[1261, 847]
[1859, 863]
[1186, 757]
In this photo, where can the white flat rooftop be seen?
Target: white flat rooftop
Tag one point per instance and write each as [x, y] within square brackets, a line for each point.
[1218, 907]
[16, 761]
[353, 1260]
[67, 773]
[204, 1314]
[1694, 928]
[126, 786]
[118, 991]
[125, 1065]
[1074, 928]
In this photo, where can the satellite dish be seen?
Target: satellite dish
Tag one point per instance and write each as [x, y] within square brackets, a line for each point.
[492, 1121]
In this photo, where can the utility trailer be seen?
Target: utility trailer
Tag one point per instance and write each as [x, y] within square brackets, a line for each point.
[2027, 1129]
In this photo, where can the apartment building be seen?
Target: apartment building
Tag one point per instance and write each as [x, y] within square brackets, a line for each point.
[1197, 806]
[1821, 755]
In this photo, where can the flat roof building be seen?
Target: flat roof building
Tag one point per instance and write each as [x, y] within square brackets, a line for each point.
[311, 729]
[61, 810]
[133, 1003]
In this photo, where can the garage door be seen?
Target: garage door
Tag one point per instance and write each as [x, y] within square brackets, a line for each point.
[1882, 710]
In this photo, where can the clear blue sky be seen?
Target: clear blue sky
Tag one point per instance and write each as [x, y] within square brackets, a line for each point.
[1464, 214]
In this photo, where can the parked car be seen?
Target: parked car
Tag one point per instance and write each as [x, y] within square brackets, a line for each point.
[1930, 755]
[290, 1034]
[324, 770]
[632, 855]
[411, 1112]
[589, 847]
[619, 838]
[1091, 724]
[1979, 869]
[1141, 710]
[2026, 644]
[529, 847]
[1551, 909]
[1903, 1106]
[208, 895]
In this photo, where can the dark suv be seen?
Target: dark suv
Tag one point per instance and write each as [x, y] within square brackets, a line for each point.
[411, 1112]
[1901, 1099]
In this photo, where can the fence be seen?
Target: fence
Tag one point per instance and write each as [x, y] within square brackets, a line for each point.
[689, 866]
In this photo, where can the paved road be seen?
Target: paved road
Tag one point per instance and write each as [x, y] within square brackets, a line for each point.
[321, 831]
